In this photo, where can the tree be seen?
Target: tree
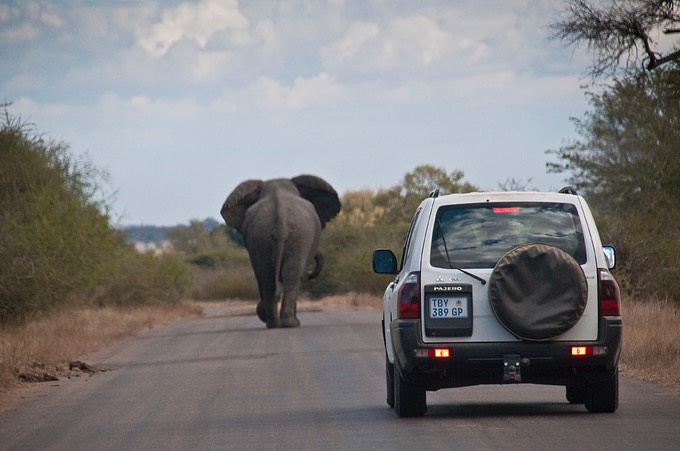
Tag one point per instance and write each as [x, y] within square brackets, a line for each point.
[401, 201]
[620, 32]
[628, 165]
[57, 246]
[629, 155]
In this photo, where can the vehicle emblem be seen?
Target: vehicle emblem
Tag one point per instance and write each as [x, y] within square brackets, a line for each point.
[450, 279]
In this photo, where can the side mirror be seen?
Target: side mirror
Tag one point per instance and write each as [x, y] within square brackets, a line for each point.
[384, 262]
[609, 256]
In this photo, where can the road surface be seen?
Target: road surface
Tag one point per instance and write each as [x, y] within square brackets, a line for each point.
[225, 382]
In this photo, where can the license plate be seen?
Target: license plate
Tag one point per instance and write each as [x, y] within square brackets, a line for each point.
[448, 307]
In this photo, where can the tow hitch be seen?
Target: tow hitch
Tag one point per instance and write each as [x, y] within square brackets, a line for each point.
[512, 371]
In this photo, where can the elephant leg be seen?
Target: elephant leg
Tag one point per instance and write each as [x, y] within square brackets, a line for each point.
[291, 287]
[267, 308]
[260, 312]
[270, 310]
[288, 309]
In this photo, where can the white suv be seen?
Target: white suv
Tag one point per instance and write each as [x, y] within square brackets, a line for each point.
[505, 287]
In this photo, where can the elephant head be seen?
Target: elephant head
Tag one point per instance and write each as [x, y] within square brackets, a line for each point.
[281, 222]
[315, 189]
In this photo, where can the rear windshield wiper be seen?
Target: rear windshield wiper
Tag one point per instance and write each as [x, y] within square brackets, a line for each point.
[448, 257]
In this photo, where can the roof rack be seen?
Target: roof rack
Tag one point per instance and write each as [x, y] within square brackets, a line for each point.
[568, 190]
[434, 193]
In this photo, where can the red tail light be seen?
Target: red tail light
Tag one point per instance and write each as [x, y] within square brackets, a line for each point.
[609, 294]
[578, 351]
[409, 297]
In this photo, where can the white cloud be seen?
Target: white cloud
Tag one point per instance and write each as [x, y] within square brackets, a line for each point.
[21, 33]
[404, 44]
[209, 64]
[419, 39]
[194, 22]
[5, 13]
[303, 93]
[350, 44]
[27, 22]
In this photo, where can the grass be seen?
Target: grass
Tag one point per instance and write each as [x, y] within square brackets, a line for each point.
[651, 341]
[43, 349]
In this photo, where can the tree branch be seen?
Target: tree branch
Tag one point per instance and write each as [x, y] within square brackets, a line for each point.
[618, 30]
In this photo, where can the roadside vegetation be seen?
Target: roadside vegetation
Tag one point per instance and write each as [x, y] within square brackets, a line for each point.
[70, 281]
[58, 247]
[61, 256]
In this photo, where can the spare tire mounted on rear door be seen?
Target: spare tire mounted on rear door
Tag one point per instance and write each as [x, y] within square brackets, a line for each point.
[538, 291]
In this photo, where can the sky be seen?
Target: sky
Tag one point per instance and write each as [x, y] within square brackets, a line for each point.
[180, 101]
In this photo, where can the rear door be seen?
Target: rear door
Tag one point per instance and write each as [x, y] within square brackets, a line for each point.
[472, 236]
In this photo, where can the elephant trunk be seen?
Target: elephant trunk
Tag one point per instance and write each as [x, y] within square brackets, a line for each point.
[318, 259]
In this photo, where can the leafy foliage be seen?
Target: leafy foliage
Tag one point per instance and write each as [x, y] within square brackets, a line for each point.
[197, 237]
[401, 201]
[369, 221]
[628, 165]
[57, 247]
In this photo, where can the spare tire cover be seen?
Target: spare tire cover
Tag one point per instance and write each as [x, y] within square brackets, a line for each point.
[538, 291]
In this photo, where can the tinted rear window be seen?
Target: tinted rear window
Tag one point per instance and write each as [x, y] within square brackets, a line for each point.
[477, 236]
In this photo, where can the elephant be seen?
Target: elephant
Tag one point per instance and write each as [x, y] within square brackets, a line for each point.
[281, 222]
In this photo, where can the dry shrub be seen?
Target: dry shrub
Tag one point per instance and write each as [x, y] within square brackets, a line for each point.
[651, 341]
[137, 279]
[52, 341]
[364, 300]
[227, 283]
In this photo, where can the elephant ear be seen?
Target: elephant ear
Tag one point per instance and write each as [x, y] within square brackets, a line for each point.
[234, 208]
[321, 194]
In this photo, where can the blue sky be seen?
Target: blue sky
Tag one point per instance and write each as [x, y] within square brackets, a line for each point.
[182, 100]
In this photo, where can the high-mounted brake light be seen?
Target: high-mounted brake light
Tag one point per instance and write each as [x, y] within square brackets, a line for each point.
[506, 210]
[409, 297]
[608, 293]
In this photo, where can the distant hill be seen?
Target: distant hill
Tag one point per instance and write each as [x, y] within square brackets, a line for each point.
[158, 234]
[146, 234]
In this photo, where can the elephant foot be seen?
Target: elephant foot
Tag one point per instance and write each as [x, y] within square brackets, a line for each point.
[290, 321]
[274, 324]
[260, 312]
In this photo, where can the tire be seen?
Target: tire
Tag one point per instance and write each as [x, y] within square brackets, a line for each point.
[537, 291]
[603, 397]
[409, 399]
[389, 382]
[576, 394]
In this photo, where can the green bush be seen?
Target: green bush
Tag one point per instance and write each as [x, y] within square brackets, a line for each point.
[348, 253]
[221, 267]
[57, 247]
[225, 283]
[136, 279]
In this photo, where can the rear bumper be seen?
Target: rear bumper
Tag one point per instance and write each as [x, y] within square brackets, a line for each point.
[484, 363]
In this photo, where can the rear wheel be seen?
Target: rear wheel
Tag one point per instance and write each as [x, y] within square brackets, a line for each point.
[389, 382]
[409, 399]
[576, 394]
[603, 397]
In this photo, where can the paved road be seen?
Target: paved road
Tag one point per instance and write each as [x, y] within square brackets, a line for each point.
[228, 383]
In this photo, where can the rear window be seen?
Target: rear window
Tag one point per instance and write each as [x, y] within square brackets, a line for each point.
[477, 236]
